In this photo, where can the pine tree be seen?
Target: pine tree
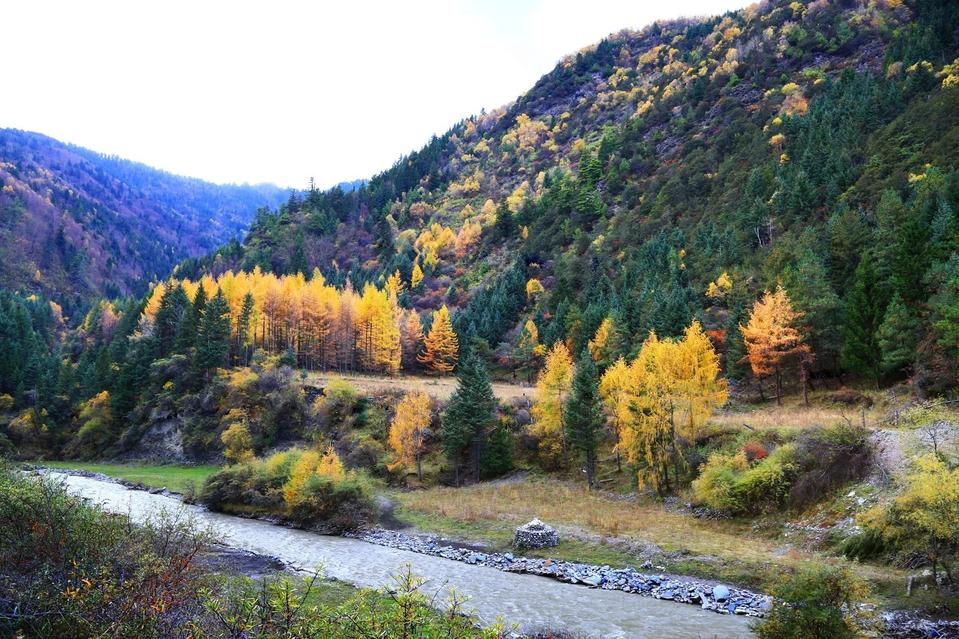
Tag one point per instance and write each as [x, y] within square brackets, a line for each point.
[896, 336]
[865, 310]
[607, 344]
[213, 336]
[504, 225]
[174, 305]
[528, 350]
[469, 415]
[441, 347]
[243, 325]
[189, 326]
[497, 452]
[584, 415]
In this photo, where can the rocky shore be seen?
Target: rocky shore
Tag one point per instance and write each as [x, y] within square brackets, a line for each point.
[714, 597]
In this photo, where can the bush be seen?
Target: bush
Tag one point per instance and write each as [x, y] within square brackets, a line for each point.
[731, 484]
[810, 603]
[828, 457]
[70, 570]
[305, 488]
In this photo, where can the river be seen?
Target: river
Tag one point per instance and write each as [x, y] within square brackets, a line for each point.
[529, 601]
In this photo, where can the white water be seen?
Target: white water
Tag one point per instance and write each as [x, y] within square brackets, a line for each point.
[529, 601]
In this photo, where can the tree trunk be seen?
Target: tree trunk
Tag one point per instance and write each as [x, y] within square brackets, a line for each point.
[779, 388]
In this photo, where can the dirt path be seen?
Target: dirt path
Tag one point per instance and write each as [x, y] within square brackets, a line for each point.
[437, 387]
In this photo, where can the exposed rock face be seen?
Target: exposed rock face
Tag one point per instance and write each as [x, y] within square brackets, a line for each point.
[535, 534]
[162, 441]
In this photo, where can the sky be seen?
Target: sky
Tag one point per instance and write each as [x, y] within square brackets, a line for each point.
[283, 91]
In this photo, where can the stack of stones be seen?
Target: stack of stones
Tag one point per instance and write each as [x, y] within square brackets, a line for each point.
[535, 534]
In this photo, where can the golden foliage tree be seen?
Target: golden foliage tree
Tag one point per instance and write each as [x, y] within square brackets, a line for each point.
[671, 389]
[416, 278]
[294, 490]
[528, 350]
[441, 347]
[774, 340]
[330, 465]
[411, 339]
[552, 389]
[616, 392]
[237, 443]
[408, 431]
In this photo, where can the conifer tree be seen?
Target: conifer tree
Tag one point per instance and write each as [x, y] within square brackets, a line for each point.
[469, 415]
[441, 347]
[416, 277]
[584, 415]
[504, 225]
[408, 431]
[174, 305]
[213, 336]
[552, 389]
[865, 310]
[773, 338]
[606, 346]
[189, 326]
[896, 336]
[528, 350]
[243, 325]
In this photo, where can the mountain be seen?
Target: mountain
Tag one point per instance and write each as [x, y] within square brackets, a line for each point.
[781, 143]
[75, 223]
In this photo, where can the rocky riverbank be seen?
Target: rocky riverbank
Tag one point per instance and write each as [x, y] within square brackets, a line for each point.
[714, 597]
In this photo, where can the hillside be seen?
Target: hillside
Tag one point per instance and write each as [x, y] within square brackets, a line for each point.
[779, 143]
[75, 224]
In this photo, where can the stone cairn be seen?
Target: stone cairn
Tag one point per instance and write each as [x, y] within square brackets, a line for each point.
[535, 534]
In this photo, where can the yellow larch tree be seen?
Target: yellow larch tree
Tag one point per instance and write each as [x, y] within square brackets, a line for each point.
[552, 389]
[330, 465]
[411, 338]
[294, 490]
[441, 346]
[774, 340]
[416, 278]
[408, 431]
[617, 390]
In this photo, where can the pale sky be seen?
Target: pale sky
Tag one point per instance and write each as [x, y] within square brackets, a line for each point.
[281, 91]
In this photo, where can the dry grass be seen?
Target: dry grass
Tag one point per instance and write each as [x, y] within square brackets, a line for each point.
[794, 414]
[436, 387]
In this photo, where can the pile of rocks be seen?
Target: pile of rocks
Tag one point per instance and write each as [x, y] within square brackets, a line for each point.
[535, 534]
[717, 598]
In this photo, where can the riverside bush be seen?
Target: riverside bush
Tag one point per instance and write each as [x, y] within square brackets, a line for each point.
[810, 604]
[731, 484]
[300, 486]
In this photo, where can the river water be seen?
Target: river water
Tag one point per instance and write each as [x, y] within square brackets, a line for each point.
[529, 601]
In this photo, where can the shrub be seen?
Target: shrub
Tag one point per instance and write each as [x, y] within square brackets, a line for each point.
[731, 484]
[809, 604]
[715, 486]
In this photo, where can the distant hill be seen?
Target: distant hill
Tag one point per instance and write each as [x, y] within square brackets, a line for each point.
[75, 224]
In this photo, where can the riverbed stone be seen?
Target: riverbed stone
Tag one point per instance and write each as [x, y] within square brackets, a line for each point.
[535, 534]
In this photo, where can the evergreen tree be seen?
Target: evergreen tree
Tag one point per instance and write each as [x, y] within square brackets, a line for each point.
[243, 330]
[213, 336]
[865, 309]
[584, 414]
[896, 336]
[498, 452]
[504, 225]
[190, 324]
[469, 415]
[174, 305]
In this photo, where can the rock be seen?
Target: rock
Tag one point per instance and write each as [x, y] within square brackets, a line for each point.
[593, 580]
[535, 534]
[720, 593]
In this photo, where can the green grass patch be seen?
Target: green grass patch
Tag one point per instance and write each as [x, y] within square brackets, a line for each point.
[179, 479]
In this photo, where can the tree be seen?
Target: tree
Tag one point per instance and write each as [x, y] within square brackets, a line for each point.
[411, 339]
[243, 325]
[189, 326]
[773, 339]
[552, 389]
[616, 391]
[441, 347]
[237, 443]
[865, 311]
[409, 429]
[504, 225]
[896, 336]
[330, 465]
[924, 518]
[607, 344]
[528, 350]
[96, 426]
[213, 337]
[468, 416]
[584, 414]
[416, 278]
[174, 305]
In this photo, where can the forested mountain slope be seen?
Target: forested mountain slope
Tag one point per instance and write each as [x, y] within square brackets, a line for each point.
[75, 224]
[785, 142]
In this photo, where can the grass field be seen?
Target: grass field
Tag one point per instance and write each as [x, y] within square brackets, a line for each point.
[178, 479]
[436, 387]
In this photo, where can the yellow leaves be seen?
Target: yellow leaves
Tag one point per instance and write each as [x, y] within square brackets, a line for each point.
[950, 74]
[720, 287]
[330, 465]
[552, 388]
[467, 238]
[237, 443]
[434, 241]
[378, 333]
[579, 145]
[416, 277]
[533, 288]
[482, 147]
[441, 346]
[777, 140]
[771, 335]
[394, 284]
[597, 345]
[310, 464]
[516, 199]
[408, 430]
[789, 87]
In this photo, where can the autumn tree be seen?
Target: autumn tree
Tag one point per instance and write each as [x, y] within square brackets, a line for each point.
[441, 347]
[616, 392]
[528, 349]
[237, 443]
[774, 341]
[330, 465]
[607, 344]
[96, 426]
[552, 389]
[584, 414]
[409, 429]
[411, 339]
[416, 277]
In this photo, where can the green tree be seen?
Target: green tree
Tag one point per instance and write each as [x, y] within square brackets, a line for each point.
[243, 330]
[809, 605]
[584, 414]
[189, 326]
[505, 225]
[174, 305]
[896, 336]
[865, 310]
[213, 336]
[469, 415]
